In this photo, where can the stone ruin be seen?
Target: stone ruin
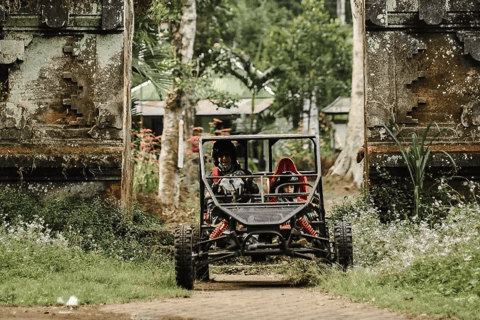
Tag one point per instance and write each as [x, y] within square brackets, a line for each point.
[423, 65]
[65, 94]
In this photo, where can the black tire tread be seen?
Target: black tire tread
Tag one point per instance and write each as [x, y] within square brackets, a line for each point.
[184, 264]
[344, 244]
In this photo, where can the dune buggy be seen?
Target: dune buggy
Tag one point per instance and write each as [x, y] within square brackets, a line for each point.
[261, 224]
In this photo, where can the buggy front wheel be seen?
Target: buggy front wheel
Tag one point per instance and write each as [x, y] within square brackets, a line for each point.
[343, 244]
[184, 263]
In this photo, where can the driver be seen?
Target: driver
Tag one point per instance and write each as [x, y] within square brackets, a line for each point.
[224, 157]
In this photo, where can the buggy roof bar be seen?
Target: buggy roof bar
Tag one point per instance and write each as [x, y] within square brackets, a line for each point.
[259, 137]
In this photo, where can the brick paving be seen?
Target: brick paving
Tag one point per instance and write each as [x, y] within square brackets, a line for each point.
[252, 297]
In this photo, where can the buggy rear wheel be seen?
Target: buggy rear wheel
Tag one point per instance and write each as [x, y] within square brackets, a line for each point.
[343, 244]
[184, 263]
[203, 272]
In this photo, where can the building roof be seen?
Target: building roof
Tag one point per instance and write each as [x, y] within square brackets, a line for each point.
[227, 83]
[205, 107]
[341, 105]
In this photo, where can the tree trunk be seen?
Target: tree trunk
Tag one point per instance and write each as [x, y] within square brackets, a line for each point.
[127, 163]
[183, 41]
[190, 170]
[169, 152]
[188, 100]
[341, 11]
[346, 164]
[252, 115]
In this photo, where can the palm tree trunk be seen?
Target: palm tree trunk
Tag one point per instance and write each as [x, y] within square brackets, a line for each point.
[127, 163]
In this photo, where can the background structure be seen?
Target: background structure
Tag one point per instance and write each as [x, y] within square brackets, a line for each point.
[423, 65]
[65, 94]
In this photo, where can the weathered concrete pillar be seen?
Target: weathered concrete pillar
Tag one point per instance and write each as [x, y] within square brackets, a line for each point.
[64, 95]
[423, 65]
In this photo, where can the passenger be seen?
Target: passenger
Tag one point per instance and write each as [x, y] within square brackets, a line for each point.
[224, 157]
[287, 165]
[289, 186]
[288, 177]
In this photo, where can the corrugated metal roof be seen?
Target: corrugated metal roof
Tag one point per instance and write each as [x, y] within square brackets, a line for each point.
[341, 105]
[205, 107]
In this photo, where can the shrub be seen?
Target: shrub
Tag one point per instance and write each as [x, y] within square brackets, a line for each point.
[397, 244]
[92, 224]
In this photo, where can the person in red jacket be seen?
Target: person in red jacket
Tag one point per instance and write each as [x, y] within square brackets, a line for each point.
[287, 165]
[289, 174]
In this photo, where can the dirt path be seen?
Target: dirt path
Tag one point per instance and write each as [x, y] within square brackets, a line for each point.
[226, 297]
[252, 297]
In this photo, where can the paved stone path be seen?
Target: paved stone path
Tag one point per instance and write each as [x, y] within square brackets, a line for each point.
[252, 297]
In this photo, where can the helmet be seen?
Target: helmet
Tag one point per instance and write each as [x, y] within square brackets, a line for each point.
[223, 146]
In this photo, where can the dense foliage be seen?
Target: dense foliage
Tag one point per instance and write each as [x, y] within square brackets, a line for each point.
[315, 54]
[89, 223]
[262, 42]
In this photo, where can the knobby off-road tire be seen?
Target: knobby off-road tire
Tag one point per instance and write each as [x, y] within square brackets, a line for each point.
[343, 244]
[202, 273]
[184, 264]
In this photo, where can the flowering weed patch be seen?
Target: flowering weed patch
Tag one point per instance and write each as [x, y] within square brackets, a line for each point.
[146, 148]
[415, 266]
[409, 265]
[37, 268]
[92, 224]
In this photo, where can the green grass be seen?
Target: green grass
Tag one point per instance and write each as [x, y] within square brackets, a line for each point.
[406, 265]
[72, 246]
[90, 277]
[365, 286]
[38, 268]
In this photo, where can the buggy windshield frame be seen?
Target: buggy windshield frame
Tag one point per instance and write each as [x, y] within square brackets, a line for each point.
[260, 203]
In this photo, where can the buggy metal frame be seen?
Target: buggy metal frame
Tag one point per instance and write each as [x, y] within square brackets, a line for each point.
[261, 219]
[258, 228]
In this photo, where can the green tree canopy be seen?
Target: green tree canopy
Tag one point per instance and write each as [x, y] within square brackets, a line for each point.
[315, 53]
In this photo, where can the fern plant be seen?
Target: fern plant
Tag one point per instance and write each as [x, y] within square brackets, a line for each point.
[417, 157]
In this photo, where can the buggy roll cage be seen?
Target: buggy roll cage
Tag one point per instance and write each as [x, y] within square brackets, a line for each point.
[315, 187]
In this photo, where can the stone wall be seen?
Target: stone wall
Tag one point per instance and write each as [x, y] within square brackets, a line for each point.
[423, 65]
[64, 94]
